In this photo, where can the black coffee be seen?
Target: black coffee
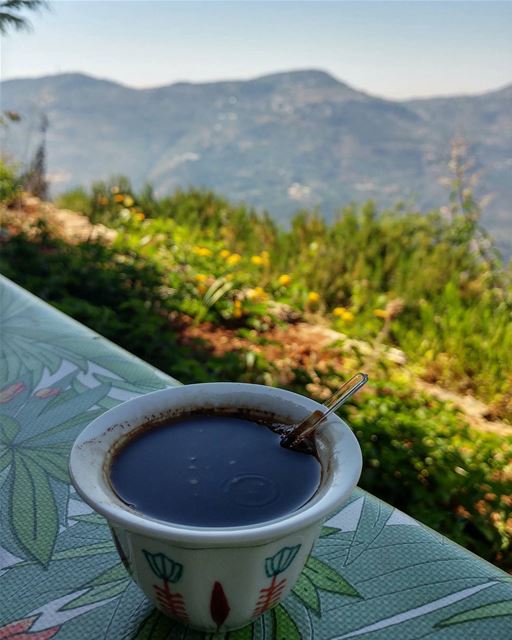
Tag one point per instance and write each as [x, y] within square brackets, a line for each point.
[213, 471]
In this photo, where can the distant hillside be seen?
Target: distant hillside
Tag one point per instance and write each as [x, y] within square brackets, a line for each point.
[279, 142]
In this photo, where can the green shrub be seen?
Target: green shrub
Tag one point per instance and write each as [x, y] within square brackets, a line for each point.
[76, 200]
[9, 183]
[425, 459]
[429, 284]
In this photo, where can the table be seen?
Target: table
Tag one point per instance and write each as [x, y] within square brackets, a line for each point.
[374, 574]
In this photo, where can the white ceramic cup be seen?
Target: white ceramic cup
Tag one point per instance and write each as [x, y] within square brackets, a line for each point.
[222, 578]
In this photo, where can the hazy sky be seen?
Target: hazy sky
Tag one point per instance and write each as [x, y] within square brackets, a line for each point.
[393, 49]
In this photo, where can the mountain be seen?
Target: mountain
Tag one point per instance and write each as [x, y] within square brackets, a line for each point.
[279, 142]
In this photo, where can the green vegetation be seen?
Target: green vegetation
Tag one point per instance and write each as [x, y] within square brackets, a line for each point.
[430, 285]
[12, 13]
[9, 183]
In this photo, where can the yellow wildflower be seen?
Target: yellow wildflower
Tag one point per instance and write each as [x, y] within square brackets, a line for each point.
[380, 313]
[237, 309]
[202, 251]
[200, 277]
[343, 314]
[139, 216]
[119, 197]
[284, 280]
[102, 200]
[258, 293]
[257, 260]
[128, 201]
[265, 258]
[313, 297]
[233, 259]
[224, 253]
[115, 190]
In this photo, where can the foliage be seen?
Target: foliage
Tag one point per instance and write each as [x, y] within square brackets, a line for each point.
[119, 295]
[76, 199]
[431, 284]
[11, 13]
[9, 183]
[437, 468]
[422, 457]
[442, 296]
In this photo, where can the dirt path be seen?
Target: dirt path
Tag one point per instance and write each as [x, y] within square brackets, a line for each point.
[473, 409]
[314, 346]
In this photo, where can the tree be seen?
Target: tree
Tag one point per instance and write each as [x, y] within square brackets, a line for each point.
[11, 13]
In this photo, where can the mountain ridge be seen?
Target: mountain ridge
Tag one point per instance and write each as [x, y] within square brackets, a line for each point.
[295, 73]
[226, 81]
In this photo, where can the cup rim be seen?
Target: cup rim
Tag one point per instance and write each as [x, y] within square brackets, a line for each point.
[91, 449]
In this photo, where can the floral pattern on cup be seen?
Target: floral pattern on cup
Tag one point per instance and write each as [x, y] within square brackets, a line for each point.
[219, 605]
[276, 564]
[169, 572]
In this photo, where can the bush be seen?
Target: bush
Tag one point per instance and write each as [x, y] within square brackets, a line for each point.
[76, 200]
[118, 295]
[429, 284]
[9, 184]
[429, 463]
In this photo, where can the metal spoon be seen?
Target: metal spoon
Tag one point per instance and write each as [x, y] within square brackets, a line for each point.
[300, 431]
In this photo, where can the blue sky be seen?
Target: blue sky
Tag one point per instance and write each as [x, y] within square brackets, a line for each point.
[393, 49]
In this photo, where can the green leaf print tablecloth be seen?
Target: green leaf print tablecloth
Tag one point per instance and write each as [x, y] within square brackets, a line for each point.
[375, 573]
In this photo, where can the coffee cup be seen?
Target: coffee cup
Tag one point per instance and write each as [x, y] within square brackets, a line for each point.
[213, 578]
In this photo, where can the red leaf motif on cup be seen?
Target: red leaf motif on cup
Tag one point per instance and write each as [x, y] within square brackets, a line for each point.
[219, 605]
[269, 596]
[169, 571]
[171, 603]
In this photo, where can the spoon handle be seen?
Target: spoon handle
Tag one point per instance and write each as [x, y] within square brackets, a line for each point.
[345, 392]
[338, 398]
